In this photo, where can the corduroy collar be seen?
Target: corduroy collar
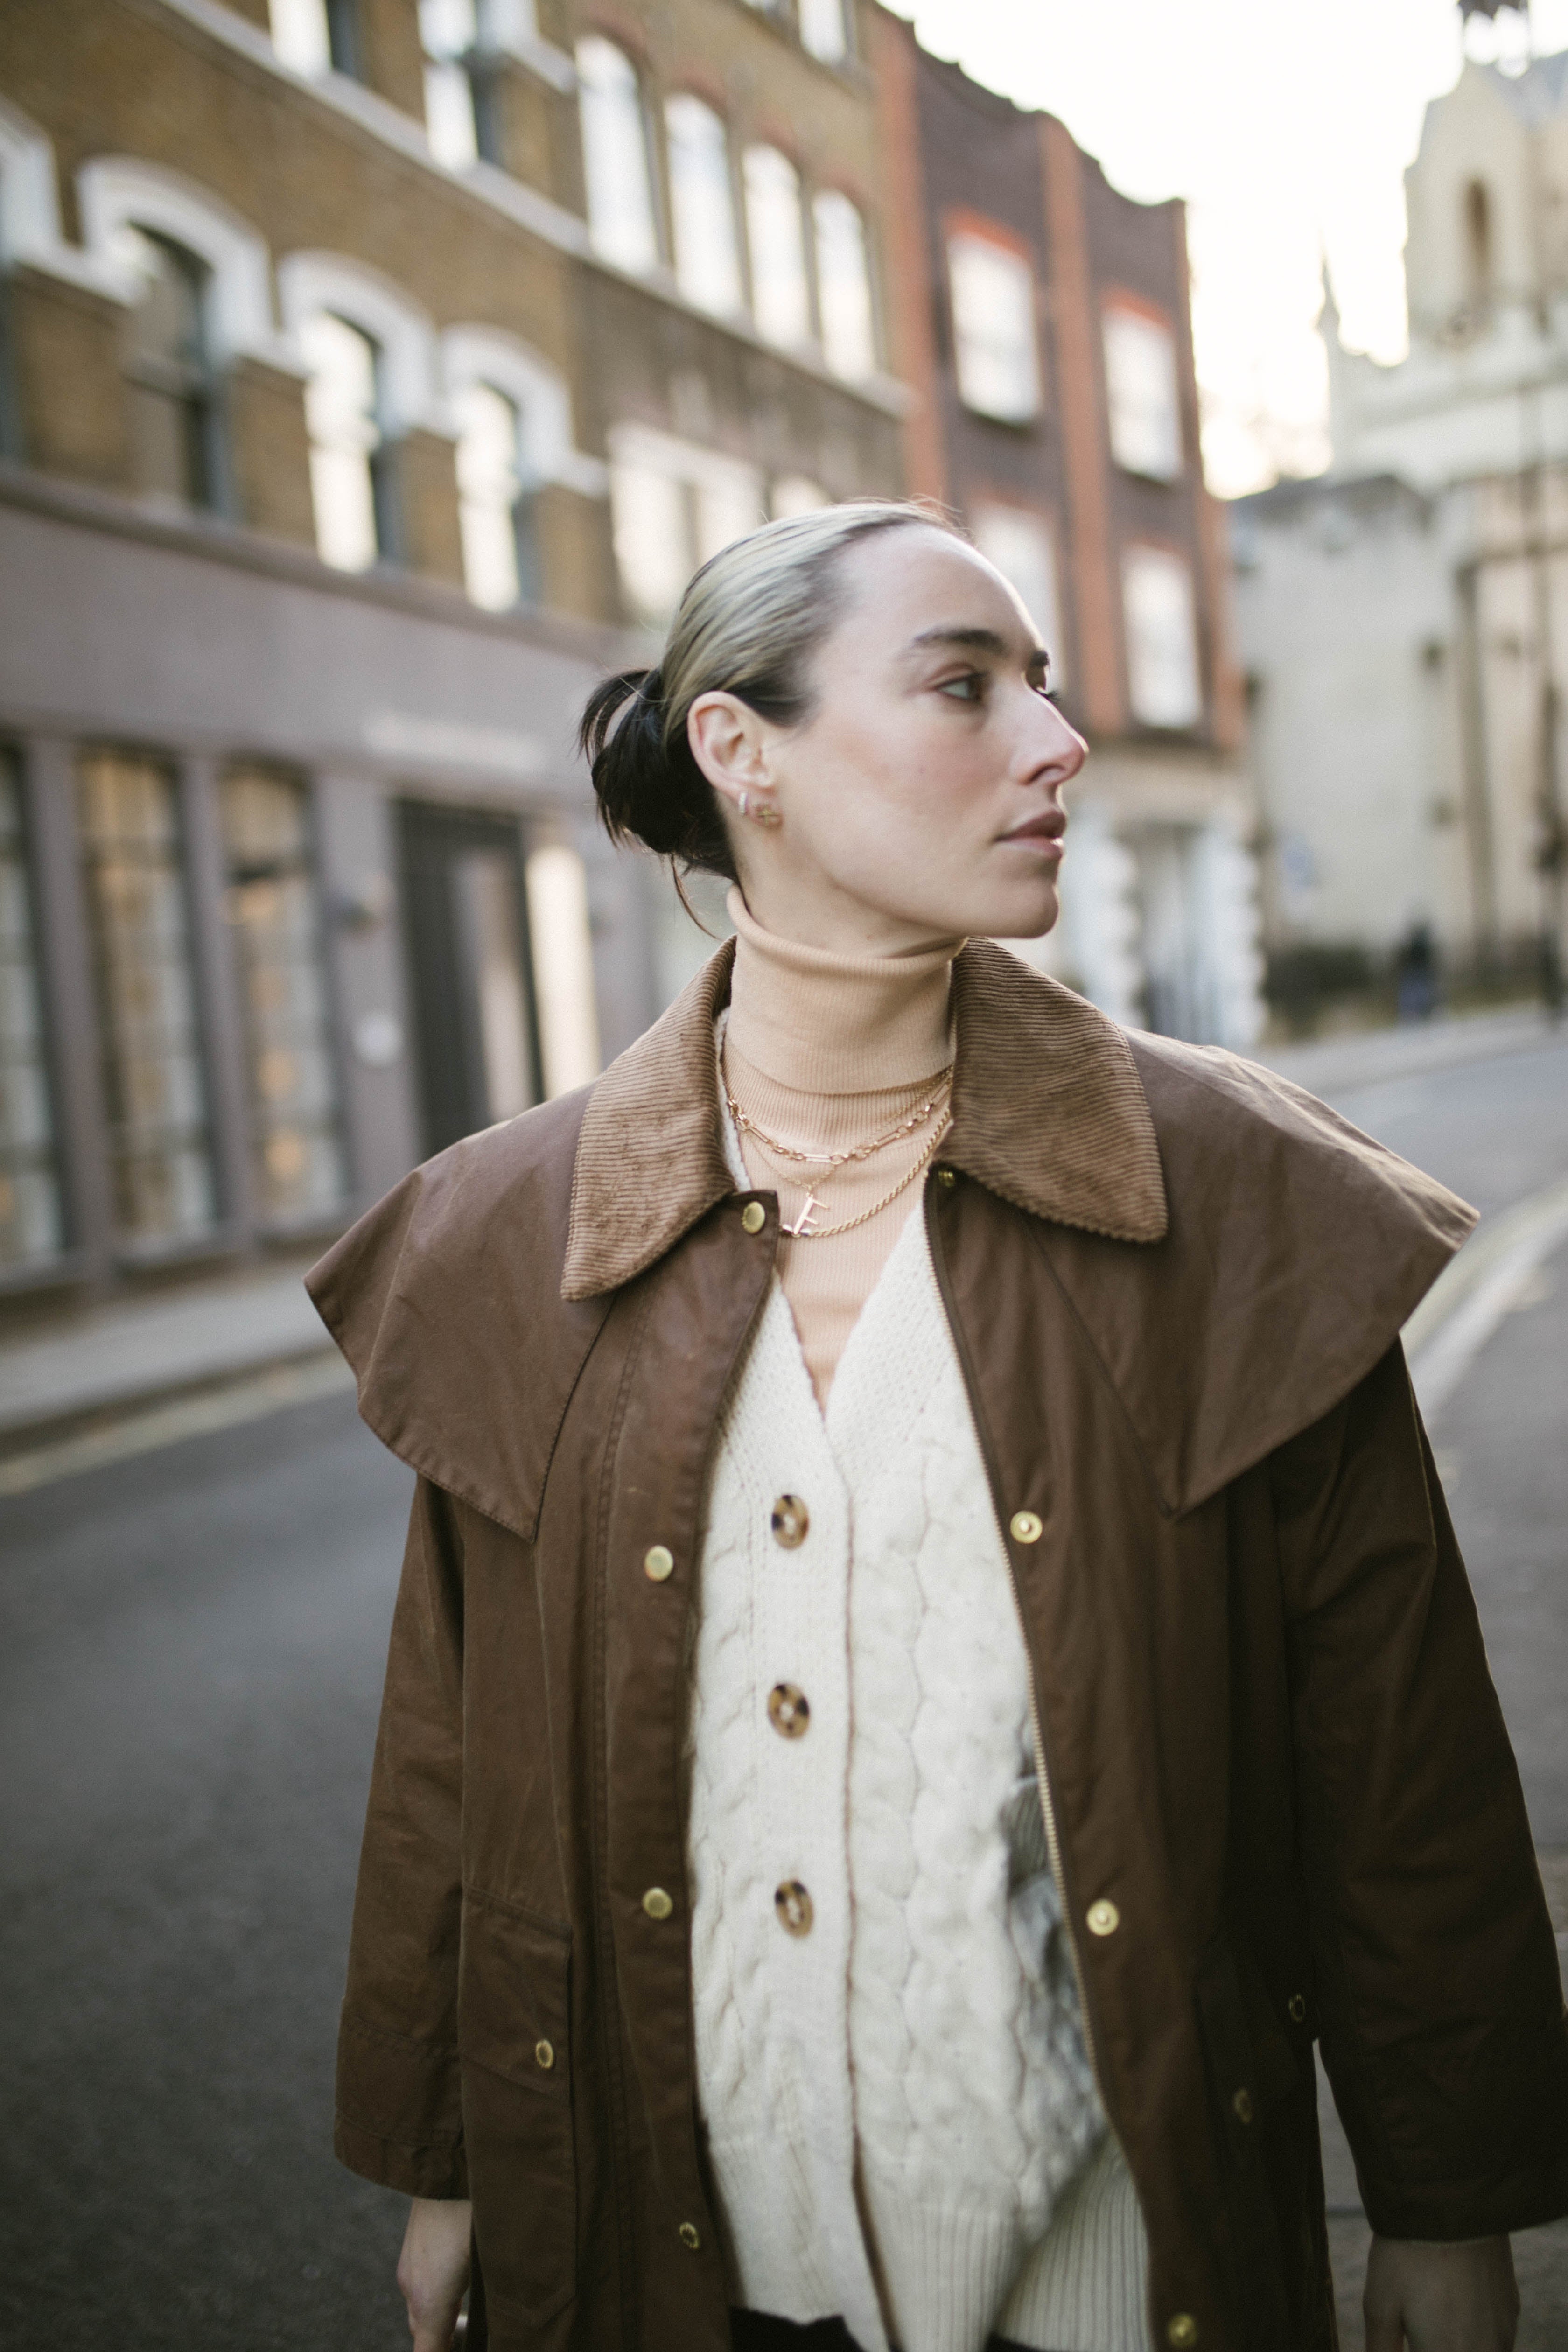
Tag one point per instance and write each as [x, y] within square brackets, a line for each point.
[1048, 1112]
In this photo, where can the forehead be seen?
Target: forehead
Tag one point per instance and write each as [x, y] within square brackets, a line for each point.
[905, 582]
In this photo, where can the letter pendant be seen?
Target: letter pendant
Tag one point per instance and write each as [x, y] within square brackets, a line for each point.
[802, 1223]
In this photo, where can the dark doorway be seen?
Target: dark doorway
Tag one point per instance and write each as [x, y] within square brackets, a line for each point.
[476, 1026]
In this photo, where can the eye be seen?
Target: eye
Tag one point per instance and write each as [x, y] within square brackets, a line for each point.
[970, 687]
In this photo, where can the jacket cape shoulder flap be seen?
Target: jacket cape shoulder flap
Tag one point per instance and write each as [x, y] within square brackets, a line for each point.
[1238, 1255]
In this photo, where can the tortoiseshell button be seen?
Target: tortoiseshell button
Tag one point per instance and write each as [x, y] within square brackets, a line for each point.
[793, 1905]
[788, 1710]
[791, 1521]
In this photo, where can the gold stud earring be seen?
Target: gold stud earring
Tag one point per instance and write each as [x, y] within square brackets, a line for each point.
[762, 813]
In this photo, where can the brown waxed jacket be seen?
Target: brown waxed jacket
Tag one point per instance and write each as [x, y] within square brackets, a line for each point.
[1175, 1283]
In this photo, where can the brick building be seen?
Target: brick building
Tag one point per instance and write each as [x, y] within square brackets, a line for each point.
[1042, 321]
[371, 373]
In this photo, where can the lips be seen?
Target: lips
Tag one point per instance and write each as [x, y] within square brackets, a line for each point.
[1050, 826]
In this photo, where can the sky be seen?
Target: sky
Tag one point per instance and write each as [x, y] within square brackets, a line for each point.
[1287, 125]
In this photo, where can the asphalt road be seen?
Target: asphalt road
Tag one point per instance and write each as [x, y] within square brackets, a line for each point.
[191, 1647]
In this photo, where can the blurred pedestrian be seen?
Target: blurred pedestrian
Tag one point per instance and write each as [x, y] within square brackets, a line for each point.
[932, 1662]
[1416, 969]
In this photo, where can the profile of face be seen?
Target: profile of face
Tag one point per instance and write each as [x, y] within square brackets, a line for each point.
[921, 798]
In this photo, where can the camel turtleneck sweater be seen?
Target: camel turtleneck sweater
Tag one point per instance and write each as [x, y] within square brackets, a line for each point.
[826, 1051]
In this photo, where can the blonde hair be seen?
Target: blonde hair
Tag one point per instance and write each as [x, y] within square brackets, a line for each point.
[749, 625]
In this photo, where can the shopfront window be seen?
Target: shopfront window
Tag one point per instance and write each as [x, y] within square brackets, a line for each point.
[31, 1225]
[153, 1086]
[615, 156]
[775, 245]
[274, 919]
[702, 205]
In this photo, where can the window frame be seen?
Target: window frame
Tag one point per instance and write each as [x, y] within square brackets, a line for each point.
[1168, 552]
[1118, 302]
[736, 306]
[657, 252]
[961, 228]
[65, 1259]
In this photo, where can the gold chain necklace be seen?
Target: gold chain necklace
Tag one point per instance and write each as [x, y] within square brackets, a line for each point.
[804, 1230]
[830, 1160]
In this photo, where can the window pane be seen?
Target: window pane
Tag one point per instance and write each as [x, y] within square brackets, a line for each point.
[274, 919]
[655, 535]
[844, 287]
[823, 28]
[1162, 638]
[994, 329]
[563, 967]
[448, 28]
[775, 239]
[614, 156]
[300, 37]
[340, 411]
[484, 886]
[451, 122]
[30, 1221]
[1141, 388]
[146, 1004]
[167, 370]
[706, 260]
[490, 486]
[1021, 548]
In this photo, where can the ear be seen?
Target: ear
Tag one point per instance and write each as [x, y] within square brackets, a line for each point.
[729, 743]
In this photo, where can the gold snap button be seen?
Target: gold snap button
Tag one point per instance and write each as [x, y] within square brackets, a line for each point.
[544, 2051]
[946, 1179]
[793, 1905]
[1242, 2103]
[1103, 1918]
[1297, 2005]
[1027, 1526]
[788, 1711]
[656, 1904]
[690, 2237]
[790, 1522]
[1181, 2331]
[753, 1216]
[657, 1563]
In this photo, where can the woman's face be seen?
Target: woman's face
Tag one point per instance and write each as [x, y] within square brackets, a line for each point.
[922, 798]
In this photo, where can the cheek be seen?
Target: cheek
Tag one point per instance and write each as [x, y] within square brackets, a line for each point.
[900, 756]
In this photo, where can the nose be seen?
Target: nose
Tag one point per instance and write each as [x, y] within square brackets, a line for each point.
[1053, 752]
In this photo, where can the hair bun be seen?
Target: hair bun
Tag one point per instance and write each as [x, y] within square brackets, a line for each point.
[650, 789]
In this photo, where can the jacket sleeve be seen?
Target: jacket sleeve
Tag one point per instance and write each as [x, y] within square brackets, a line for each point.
[399, 2117]
[1440, 2006]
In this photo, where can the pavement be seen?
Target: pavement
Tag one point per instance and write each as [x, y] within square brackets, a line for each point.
[192, 1637]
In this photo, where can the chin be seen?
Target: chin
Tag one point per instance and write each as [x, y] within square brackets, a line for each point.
[1021, 915]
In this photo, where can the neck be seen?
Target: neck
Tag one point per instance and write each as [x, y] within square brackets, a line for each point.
[825, 1024]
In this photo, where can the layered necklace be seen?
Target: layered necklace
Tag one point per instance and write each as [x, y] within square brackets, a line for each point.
[936, 1105]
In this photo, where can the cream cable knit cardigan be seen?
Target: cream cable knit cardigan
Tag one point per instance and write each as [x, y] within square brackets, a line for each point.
[901, 2119]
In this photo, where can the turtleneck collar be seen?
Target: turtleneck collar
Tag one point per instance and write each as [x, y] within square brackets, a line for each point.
[837, 1024]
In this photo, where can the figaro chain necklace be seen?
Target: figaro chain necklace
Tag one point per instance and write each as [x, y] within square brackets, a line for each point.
[805, 1228]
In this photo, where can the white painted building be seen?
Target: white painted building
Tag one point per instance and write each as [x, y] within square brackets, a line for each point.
[1403, 621]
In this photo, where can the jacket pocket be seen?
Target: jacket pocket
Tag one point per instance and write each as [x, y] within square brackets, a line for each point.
[514, 2048]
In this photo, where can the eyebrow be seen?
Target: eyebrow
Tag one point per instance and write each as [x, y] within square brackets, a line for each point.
[974, 640]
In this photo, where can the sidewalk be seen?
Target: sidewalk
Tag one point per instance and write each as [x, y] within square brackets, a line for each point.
[129, 1352]
[1368, 1057]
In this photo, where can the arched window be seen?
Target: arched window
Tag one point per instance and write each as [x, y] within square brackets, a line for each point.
[702, 203]
[776, 242]
[844, 286]
[343, 413]
[169, 371]
[993, 340]
[494, 499]
[1478, 243]
[614, 156]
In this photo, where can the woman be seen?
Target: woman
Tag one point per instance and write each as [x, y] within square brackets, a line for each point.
[931, 1663]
